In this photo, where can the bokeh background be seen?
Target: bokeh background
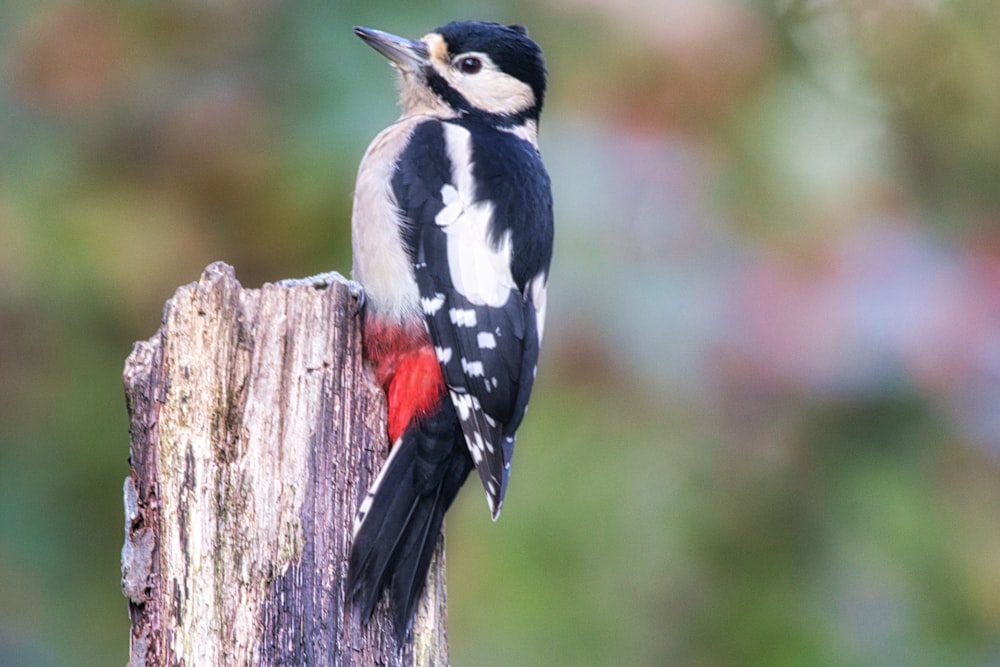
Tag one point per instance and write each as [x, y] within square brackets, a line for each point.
[767, 423]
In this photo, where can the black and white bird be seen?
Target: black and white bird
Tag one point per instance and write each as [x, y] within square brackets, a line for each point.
[452, 239]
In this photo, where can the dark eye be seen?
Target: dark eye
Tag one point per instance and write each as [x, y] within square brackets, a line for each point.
[470, 65]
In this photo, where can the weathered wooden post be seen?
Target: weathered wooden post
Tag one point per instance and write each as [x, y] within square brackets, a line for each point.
[254, 434]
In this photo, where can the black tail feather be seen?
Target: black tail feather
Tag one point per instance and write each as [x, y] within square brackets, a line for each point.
[394, 544]
[377, 541]
[411, 570]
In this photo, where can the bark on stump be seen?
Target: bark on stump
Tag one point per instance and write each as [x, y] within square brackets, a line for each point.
[254, 435]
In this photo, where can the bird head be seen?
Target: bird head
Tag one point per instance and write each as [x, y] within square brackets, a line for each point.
[467, 68]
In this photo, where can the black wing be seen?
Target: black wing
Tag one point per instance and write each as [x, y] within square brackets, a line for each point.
[480, 228]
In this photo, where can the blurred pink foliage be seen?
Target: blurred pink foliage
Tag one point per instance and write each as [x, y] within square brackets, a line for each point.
[884, 305]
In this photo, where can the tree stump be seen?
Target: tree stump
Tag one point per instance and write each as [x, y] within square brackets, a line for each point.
[255, 433]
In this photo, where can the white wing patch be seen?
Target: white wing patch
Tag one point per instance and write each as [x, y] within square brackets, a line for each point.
[479, 271]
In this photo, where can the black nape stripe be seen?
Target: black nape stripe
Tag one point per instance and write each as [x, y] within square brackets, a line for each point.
[459, 103]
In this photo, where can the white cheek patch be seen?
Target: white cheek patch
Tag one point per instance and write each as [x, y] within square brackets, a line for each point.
[496, 92]
[480, 272]
[489, 89]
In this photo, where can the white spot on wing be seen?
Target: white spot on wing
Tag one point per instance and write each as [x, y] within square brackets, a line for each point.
[462, 317]
[431, 306]
[478, 441]
[443, 354]
[486, 340]
[476, 448]
[473, 368]
[463, 404]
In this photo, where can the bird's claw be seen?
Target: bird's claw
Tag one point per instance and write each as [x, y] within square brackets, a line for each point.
[358, 292]
[324, 280]
[318, 281]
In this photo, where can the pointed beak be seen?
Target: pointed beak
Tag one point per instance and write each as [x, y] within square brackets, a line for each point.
[404, 53]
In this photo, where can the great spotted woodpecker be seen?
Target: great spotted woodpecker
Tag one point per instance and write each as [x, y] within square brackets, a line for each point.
[452, 239]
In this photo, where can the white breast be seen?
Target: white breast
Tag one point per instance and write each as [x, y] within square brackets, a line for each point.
[381, 264]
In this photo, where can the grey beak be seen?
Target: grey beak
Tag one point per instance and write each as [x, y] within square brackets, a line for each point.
[405, 53]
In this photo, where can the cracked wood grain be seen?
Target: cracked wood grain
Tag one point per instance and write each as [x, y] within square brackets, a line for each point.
[254, 434]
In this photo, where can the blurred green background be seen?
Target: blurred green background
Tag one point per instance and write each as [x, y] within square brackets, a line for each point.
[767, 424]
